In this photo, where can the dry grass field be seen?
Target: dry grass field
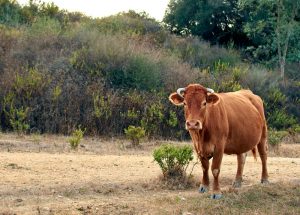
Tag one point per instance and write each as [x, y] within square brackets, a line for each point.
[42, 175]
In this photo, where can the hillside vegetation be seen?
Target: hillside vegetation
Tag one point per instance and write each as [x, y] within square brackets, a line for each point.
[61, 70]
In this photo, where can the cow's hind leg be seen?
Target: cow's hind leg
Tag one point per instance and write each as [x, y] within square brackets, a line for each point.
[204, 187]
[262, 150]
[241, 158]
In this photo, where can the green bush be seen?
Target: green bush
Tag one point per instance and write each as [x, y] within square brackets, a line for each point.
[56, 93]
[276, 137]
[141, 73]
[279, 119]
[10, 12]
[153, 118]
[76, 137]
[173, 160]
[135, 134]
[30, 83]
[44, 27]
[226, 78]
[130, 23]
[294, 130]
[101, 107]
[18, 119]
[276, 103]
[172, 121]
[17, 116]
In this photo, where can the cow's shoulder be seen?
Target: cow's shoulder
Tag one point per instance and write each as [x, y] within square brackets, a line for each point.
[247, 94]
[255, 101]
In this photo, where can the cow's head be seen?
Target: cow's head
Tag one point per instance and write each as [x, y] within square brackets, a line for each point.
[196, 99]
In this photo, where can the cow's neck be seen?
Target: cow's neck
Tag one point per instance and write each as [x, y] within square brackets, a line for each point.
[201, 142]
[202, 139]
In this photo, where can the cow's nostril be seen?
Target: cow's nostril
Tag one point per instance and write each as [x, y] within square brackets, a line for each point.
[197, 124]
[188, 124]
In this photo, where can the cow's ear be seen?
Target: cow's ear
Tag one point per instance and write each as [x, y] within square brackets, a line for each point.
[176, 99]
[213, 98]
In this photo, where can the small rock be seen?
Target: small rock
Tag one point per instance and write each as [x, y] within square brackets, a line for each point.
[80, 209]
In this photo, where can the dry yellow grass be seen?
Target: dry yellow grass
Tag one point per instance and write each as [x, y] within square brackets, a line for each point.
[41, 175]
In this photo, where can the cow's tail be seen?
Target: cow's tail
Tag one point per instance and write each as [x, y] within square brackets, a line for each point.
[254, 152]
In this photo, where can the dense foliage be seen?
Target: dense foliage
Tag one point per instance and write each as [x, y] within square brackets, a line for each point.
[173, 160]
[218, 21]
[266, 31]
[59, 70]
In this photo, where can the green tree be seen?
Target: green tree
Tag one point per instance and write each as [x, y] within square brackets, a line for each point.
[286, 25]
[218, 21]
[273, 28]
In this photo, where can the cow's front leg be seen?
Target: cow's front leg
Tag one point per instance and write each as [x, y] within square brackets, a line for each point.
[204, 187]
[241, 158]
[215, 168]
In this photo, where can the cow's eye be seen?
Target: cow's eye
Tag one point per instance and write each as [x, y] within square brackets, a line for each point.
[184, 103]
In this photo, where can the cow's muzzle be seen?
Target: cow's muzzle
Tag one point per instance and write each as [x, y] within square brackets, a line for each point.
[193, 125]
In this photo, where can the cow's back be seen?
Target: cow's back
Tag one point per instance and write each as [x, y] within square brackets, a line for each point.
[246, 119]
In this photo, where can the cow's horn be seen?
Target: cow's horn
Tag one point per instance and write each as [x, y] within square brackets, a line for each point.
[179, 91]
[210, 90]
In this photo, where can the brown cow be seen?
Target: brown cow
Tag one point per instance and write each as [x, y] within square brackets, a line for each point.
[230, 123]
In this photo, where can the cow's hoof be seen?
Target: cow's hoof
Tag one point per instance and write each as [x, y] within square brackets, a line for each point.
[264, 181]
[237, 184]
[216, 196]
[203, 189]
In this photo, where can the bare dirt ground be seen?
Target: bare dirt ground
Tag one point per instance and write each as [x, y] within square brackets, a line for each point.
[42, 175]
